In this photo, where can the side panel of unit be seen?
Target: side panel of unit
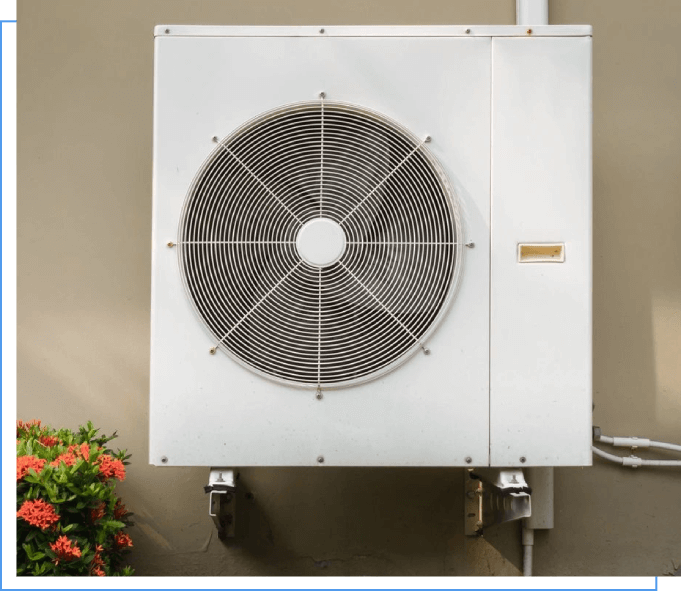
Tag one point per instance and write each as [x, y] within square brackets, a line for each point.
[540, 338]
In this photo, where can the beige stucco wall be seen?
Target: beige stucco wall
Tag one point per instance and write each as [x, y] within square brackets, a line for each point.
[84, 220]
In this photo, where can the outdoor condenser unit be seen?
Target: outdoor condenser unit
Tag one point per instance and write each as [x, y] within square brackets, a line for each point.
[371, 246]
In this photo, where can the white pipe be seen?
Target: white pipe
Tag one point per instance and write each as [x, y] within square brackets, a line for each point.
[633, 461]
[635, 442]
[532, 12]
[528, 543]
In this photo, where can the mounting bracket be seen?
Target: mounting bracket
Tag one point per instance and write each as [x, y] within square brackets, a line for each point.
[222, 500]
[493, 496]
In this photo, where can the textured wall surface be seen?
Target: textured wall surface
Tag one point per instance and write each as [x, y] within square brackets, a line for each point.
[84, 227]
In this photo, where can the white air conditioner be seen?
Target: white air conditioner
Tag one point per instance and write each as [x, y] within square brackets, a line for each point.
[371, 246]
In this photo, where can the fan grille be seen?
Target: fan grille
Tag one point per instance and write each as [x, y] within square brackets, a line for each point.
[328, 325]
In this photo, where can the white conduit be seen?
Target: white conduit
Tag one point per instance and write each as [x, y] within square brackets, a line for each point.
[633, 461]
[532, 12]
[528, 544]
[636, 442]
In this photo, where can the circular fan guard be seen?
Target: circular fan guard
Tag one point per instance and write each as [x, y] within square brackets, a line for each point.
[323, 325]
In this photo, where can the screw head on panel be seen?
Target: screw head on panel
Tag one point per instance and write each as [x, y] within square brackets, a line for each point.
[320, 460]
[426, 350]
[167, 31]
[321, 31]
[523, 459]
[427, 139]
[470, 244]
[164, 460]
[212, 350]
[468, 31]
[322, 95]
[319, 396]
[171, 244]
[216, 139]
[529, 31]
[468, 460]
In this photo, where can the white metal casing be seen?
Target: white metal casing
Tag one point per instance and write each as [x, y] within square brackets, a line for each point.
[433, 410]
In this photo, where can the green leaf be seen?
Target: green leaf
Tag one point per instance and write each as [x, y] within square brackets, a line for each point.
[32, 534]
[70, 527]
[37, 556]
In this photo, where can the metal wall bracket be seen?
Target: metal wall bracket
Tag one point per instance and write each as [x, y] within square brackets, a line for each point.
[221, 489]
[494, 496]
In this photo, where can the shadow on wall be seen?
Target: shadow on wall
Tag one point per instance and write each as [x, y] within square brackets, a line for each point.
[344, 521]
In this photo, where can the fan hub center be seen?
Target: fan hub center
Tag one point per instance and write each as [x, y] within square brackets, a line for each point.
[321, 242]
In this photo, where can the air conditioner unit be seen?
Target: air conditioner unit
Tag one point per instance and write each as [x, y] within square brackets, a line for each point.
[371, 246]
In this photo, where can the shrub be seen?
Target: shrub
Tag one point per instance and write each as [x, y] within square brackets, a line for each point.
[69, 519]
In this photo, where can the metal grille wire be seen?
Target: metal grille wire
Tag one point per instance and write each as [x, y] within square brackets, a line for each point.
[284, 318]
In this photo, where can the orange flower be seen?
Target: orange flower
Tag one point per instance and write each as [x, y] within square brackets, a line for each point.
[38, 513]
[97, 512]
[109, 467]
[65, 549]
[25, 463]
[122, 540]
[120, 510]
[97, 562]
[82, 450]
[21, 426]
[98, 571]
[48, 441]
[67, 458]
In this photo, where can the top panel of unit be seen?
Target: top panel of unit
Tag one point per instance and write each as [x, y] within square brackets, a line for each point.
[382, 31]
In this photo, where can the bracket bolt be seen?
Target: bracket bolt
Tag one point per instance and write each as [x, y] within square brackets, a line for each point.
[468, 460]
[320, 460]
[523, 459]
[164, 460]
[212, 350]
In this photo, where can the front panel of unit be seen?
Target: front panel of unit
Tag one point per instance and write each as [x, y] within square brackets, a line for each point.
[288, 318]
[221, 398]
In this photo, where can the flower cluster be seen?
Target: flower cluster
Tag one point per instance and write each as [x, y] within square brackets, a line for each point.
[65, 550]
[110, 467]
[122, 540]
[26, 463]
[38, 513]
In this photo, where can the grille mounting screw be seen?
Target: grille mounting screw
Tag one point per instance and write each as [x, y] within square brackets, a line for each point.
[468, 460]
[319, 395]
[212, 350]
[320, 459]
[322, 95]
[470, 244]
[523, 459]
[171, 244]
[426, 350]
[427, 139]
[216, 139]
